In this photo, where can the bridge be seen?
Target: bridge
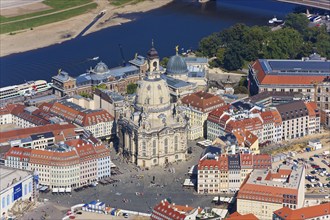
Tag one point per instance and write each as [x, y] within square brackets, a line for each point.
[321, 4]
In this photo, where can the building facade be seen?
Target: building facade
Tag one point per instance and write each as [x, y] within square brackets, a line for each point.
[16, 185]
[196, 107]
[152, 133]
[265, 191]
[65, 165]
[307, 213]
[308, 76]
[225, 173]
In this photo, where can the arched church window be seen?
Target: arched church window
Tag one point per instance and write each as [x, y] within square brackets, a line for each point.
[176, 144]
[147, 101]
[159, 87]
[144, 148]
[148, 87]
[161, 100]
[154, 148]
[166, 146]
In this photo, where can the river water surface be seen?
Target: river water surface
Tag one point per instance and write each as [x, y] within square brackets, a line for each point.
[183, 22]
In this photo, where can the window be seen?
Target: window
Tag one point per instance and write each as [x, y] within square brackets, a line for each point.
[25, 189]
[3, 202]
[166, 146]
[8, 200]
[144, 148]
[176, 143]
[30, 187]
[154, 148]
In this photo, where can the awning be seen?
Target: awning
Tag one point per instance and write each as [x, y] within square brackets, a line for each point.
[44, 188]
[188, 182]
[55, 190]
[67, 190]
[61, 190]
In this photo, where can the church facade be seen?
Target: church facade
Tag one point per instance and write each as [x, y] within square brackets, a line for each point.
[151, 132]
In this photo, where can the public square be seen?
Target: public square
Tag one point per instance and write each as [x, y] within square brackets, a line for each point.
[123, 194]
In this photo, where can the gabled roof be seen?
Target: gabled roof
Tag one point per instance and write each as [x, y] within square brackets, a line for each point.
[238, 216]
[202, 101]
[304, 213]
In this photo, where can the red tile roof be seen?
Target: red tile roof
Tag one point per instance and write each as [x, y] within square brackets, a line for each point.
[202, 101]
[165, 210]
[304, 213]
[237, 216]
[312, 108]
[282, 79]
[57, 129]
[216, 114]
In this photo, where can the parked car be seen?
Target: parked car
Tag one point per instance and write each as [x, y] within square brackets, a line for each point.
[311, 159]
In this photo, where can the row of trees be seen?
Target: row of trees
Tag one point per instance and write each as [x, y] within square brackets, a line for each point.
[239, 44]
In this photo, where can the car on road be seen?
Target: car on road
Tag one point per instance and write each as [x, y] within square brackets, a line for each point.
[311, 159]
[316, 155]
[313, 172]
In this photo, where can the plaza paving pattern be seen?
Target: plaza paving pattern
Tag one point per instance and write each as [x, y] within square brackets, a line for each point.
[123, 194]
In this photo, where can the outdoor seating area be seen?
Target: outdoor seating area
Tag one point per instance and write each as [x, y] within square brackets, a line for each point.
[108, 181]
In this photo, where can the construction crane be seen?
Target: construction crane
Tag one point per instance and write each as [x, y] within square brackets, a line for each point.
[122, 55]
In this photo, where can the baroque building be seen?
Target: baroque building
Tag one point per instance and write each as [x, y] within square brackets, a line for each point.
[151, 132]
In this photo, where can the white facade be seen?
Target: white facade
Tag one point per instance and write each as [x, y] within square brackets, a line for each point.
[103, 167]
[102, 129]
[15, 185]
[6, 119]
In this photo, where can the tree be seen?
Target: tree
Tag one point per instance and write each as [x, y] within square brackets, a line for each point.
[131, 88]
[298, 22]
[220, 56]
[208, 45]
[283, 44]
[232, 60]
[100, 86]
[86, 95]
[164, 62]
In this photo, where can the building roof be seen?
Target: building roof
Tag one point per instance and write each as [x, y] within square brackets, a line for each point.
[293, 72]
[202, 101]
[292, 110]
[176, 65]
[272, 185]
[312, 109]
[304, 213]
[66, 130]
[81, 116]
[164, 208]
[238, 216]
[196, 60]
[175, 83]
[10, 176]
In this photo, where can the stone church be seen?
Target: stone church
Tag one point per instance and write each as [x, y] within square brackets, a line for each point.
[151, 131]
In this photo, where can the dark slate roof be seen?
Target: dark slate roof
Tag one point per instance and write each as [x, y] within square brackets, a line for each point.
[229, 137]
[175, 83]
[295, 67]
[292, 110]
[42, 135]
[62, 77]
[234, 161]
[138, 61]
[212, 150]
[242, 105]
[274, 94]
[196, 59]
[176, 65]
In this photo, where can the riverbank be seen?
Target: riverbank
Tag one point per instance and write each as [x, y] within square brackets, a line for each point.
[59, 32]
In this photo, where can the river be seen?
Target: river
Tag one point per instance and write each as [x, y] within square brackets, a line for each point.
[183, 22]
